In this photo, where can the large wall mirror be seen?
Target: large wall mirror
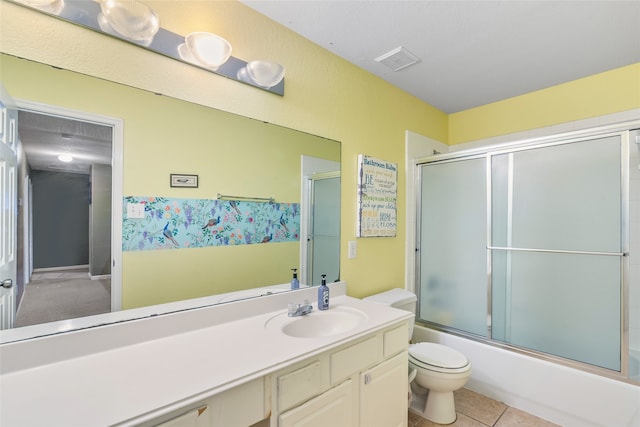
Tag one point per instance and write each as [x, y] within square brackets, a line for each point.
[231, 155]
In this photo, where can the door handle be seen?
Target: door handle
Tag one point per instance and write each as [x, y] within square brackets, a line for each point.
[7, 283]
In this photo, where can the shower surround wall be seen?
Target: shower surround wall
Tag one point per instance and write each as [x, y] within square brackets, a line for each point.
[634, 255]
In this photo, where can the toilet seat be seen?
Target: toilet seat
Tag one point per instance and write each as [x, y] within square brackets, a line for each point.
[437, 357]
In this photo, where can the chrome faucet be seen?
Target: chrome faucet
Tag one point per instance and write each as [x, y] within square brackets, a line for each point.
[296, 310]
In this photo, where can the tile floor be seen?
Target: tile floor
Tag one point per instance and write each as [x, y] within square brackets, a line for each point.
[476, 410]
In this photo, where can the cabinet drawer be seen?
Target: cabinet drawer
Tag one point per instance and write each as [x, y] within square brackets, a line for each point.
[239, 407]
[345, 363]
[396, 340]
[300, 385]
[332, 408]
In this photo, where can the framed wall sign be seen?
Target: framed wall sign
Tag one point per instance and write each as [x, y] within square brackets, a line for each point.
[178, 180]
[377, 197]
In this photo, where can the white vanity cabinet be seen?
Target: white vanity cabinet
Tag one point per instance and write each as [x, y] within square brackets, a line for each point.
[240, 406]
[363, 383]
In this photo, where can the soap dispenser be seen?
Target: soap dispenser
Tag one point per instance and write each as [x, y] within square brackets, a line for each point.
[323, 294]
[295, 284]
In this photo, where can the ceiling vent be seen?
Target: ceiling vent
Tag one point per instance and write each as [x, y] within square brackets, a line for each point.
[398, 58]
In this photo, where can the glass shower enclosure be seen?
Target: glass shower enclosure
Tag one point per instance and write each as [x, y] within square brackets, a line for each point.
[526, 247]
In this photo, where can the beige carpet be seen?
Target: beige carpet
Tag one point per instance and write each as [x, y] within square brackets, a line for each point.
[61, 295]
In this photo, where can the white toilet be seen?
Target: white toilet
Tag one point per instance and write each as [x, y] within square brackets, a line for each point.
[438, 369]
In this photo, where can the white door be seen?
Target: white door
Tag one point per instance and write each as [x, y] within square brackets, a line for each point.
[8, 209]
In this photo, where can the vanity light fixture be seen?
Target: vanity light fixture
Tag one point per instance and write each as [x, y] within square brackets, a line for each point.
[265, 74]
[205, 49]
[49, 6]
[130, 19]
[135, 22]
[66, 158]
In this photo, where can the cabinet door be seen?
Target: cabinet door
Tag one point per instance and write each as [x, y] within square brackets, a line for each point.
[384, 394]
[332, 408]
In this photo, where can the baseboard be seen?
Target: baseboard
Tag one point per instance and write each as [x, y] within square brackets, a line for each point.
[100, 276]
[64, 267]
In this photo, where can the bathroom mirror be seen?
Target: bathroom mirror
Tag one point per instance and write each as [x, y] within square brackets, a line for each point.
[229, 154]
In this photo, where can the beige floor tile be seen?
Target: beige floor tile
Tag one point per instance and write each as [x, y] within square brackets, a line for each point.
[461, 421]
[513, 417]
[414, 419]
[478, 407]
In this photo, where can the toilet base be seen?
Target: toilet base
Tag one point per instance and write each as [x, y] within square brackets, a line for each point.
[437, 407]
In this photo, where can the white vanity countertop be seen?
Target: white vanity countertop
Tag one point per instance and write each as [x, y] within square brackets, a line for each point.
[114, 383]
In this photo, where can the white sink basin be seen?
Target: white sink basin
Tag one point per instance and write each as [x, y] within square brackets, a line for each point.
[334, 321]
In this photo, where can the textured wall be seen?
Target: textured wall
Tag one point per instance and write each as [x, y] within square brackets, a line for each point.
[60, 219]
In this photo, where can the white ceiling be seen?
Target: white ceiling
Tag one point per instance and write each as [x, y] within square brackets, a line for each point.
[472, 52]
[44, 137]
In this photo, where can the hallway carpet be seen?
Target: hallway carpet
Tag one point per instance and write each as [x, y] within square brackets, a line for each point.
[61, 295]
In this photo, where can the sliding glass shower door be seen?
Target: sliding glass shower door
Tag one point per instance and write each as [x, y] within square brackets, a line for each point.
[525, 247]
[556, 250]
[453, 266]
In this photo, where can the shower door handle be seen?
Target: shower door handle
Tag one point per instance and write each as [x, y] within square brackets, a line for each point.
[7, 283]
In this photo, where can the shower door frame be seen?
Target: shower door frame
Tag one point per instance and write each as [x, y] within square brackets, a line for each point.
[622, 130]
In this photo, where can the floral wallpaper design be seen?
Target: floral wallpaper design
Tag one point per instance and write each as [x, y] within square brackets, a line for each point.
[195, 223]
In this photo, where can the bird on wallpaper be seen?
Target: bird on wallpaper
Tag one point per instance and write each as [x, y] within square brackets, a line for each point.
[169, 235]
[212, 222]
[267, 238]
[234, 205]
[283, 222]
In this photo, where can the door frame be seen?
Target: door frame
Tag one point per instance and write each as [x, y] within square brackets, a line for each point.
[117, 125]
[309, 166]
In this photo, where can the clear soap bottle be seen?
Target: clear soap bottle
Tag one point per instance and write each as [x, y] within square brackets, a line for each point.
[295, 284]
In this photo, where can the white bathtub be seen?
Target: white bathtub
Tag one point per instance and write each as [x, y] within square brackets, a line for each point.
[634, 365]
[565, 396]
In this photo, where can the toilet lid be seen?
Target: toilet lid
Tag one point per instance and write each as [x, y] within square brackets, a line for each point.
[437, 355]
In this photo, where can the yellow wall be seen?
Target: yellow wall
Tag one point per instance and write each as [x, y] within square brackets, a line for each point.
[605, 93]
[324, 95]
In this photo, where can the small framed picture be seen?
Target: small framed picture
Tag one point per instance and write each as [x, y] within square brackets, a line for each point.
[180, 180]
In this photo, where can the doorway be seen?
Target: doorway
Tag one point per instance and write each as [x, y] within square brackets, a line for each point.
[69, 218]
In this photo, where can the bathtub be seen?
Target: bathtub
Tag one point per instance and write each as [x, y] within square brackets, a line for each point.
[634, 364]
[562, 395]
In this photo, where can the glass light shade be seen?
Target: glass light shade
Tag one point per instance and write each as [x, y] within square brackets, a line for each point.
[264, 73]
[51, 6]
[208, 50]
[131, 18]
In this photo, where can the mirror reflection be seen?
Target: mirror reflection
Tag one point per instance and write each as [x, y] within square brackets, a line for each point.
[229, 154]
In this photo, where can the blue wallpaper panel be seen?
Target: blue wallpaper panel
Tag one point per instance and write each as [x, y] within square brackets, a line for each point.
[195, 223]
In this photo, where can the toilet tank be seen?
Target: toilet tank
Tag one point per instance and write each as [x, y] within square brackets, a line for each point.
[397, 298]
